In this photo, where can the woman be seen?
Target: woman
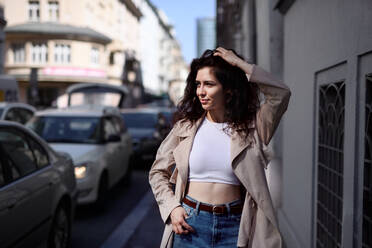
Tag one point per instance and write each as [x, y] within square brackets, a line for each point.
[215, 154]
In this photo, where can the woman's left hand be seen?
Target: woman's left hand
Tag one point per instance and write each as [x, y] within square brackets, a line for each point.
[230, 57]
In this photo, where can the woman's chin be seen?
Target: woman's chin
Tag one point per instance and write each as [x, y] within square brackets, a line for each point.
[206, 108]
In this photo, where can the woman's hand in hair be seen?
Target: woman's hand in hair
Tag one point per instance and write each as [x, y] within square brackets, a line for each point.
[179, 224]
[231, 58]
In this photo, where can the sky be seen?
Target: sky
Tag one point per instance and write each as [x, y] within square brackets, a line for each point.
[182, 14]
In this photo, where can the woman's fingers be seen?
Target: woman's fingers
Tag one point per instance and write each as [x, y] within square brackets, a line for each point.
[221, 49]
[179, 225]
[187, 227]
[182, 228]
[228, 56]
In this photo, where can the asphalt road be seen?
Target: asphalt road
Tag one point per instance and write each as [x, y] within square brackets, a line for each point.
[92, 229]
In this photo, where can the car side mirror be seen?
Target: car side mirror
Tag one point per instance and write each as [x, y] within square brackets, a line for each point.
[113, 138]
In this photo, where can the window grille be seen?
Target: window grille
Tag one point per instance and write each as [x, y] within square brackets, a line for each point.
[94, 55]
[18, 53]
[39, 53]
[33, 11]
[62, 53]
[53, 7]
[367, 184]
[330, 165]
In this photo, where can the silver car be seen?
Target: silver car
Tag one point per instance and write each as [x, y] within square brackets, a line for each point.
[97, 141]
[37, 190]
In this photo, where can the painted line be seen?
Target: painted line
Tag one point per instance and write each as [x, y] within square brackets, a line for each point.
[121, 235]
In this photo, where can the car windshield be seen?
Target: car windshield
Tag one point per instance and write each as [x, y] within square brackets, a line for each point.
[140, 120]
[66, 129]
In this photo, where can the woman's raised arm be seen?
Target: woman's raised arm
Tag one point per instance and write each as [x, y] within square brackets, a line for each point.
[276, 94]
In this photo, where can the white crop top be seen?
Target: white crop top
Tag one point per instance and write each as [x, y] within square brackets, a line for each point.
[210, 155]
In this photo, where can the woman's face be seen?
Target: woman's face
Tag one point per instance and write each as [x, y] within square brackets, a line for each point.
[209, 90]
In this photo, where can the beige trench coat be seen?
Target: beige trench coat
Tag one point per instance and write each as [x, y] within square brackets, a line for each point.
[258, 225]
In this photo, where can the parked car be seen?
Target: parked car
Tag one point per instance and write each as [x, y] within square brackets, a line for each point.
[9, 90]
[97, 141]
[18, 112]
[37, 190]
[148, 127]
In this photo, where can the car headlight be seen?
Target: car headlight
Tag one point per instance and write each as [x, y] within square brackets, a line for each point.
[81, 171]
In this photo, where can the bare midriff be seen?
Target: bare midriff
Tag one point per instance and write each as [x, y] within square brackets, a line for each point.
[213, 193]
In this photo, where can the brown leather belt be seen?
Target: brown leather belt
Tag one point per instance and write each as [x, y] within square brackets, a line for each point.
[218, 209]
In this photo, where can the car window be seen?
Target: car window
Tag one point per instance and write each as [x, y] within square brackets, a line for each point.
[119, 124]
[17, 153]
[40, 154]
[13, 115]
[140, 120]
[67, 129]
[24, 114]
[1, 111]
[109, 128]
[9, 170]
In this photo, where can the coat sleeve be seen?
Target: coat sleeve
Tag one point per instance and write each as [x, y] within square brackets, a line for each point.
[160, 174]
[277, 96]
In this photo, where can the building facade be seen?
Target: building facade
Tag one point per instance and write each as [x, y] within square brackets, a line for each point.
[205, 34]
[320, 179]
[53, 44]
[163, 66]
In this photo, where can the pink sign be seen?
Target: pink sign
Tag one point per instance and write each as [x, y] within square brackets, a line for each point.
[73, 71]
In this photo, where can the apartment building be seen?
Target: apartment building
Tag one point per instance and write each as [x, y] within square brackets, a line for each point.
[53, 44]
[164, 69]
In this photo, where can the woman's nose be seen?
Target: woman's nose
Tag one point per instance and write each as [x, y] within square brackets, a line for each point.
[201, 90]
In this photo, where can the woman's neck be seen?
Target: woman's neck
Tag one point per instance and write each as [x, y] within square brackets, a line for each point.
[215, 116]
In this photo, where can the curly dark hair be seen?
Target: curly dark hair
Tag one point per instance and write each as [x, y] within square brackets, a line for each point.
[241, 97]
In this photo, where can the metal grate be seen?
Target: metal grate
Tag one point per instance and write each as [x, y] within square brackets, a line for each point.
[330, 164]
[367, 184]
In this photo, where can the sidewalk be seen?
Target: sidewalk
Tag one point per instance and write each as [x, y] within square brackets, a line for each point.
[149, 232]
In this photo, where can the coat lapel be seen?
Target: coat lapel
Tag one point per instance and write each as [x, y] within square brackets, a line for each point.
[251, 173]
[238, 144]
[181, 153]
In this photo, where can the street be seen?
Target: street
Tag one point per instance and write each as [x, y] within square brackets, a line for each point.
[93, 229]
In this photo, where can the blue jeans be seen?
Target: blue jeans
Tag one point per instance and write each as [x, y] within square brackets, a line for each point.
[211, 229]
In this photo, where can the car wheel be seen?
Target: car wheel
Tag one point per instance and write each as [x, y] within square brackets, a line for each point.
[102, 193]
[60, 232]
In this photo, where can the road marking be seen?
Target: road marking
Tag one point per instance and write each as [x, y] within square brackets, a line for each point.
[121, 235]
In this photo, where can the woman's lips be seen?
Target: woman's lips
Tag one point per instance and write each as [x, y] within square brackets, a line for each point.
[203, 101]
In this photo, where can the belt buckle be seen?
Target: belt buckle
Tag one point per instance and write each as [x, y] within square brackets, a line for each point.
[216, 208]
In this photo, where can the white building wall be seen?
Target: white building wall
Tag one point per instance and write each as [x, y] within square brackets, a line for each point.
[150, 32]
[318, 35]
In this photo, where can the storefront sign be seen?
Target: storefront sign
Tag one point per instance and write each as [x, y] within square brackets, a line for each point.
[73, 71]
